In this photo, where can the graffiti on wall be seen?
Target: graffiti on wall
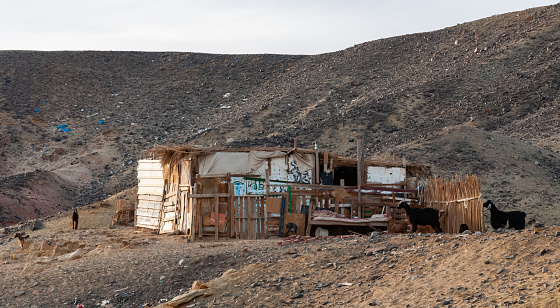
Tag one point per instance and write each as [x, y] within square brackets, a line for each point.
[294, 175]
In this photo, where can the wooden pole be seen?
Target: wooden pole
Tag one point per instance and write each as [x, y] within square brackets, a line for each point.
[194, 213]
[359, 169]
[267, 181]
[236, 217]
[216, 217]
[261, 217]
[231, 209]
[317, 173]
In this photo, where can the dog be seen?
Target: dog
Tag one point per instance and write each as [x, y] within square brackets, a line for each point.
[21, 239]
[291, 228]
[75, 219]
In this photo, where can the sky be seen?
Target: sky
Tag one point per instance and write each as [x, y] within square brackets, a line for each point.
[228, 26]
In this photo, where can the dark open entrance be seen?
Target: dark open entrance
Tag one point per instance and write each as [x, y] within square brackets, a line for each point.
[349, 174]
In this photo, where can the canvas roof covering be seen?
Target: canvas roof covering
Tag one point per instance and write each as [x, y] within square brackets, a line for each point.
[172, 155]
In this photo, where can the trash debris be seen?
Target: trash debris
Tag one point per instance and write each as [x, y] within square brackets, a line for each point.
[63, 128]
[101, 122]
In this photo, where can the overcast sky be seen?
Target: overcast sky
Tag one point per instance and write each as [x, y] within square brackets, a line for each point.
[228, 26]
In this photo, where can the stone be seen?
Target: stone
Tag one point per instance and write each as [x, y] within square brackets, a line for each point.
[122, 295]
[298, 294]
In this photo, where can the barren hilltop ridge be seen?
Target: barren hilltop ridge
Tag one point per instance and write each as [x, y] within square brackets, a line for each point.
[480, 97]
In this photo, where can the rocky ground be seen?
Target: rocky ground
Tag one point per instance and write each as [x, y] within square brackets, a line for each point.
[495, 75]
[128, 267]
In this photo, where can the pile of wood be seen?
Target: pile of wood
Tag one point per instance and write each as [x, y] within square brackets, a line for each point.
[125, 213]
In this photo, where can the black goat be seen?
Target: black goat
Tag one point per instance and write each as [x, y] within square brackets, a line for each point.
[501, 219]
[424, 217]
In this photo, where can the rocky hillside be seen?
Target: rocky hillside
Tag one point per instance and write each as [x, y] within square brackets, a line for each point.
[477, 97]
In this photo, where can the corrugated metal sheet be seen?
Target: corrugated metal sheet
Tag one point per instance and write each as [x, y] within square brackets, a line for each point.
[150, 194]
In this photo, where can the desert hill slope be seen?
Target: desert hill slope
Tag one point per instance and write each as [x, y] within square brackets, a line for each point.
[497, 75]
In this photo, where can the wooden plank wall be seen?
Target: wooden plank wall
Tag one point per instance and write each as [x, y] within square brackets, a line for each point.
[150, 194]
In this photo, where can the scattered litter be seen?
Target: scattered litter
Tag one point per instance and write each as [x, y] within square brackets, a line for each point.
[101, 122]
[225, 107]
[36, 110]
[63, 128]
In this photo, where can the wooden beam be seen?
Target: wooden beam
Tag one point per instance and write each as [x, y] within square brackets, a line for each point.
[225, 175]
[309, 186]
[218, 195]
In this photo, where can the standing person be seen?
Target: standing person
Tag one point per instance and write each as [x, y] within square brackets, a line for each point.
[75, 219]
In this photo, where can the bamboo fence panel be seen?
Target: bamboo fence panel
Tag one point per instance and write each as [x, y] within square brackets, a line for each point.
[458, 200]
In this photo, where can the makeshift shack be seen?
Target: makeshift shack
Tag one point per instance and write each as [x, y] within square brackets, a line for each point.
[252, 193]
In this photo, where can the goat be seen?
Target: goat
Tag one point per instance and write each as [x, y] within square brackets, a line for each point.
[75, 219]
[394, 226]
[21, 239]
[501, 219]
[423, 217]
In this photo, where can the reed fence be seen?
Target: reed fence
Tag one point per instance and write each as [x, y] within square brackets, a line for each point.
[459, 201]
